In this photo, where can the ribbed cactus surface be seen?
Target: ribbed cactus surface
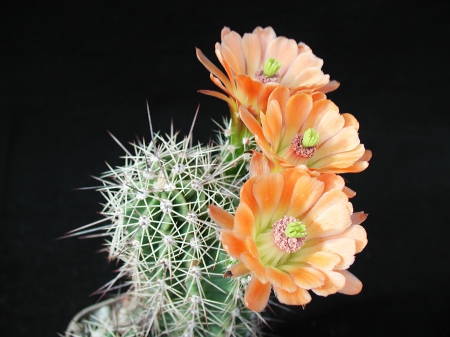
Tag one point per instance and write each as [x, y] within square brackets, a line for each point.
[172, 259]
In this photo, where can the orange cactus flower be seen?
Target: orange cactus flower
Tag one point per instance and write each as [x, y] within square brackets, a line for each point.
[297, 131]
[258, 62]
[292, 233]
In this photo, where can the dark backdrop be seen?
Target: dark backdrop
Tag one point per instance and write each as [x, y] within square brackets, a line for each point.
[71, 70]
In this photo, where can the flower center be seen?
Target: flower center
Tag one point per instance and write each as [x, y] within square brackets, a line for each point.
[305, 145]
[289, 234]
[269, 73]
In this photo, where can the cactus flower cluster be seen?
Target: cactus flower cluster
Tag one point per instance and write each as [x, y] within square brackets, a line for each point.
[206, 233]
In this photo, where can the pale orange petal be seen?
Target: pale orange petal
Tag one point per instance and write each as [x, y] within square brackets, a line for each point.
[350, 120]
[212, 68]
[265, 36]
[329, 125]
[253, 126]
[331, 181]
[333, 220]
[309, 77]
[251, 247]
[298, 297]
[348, 192]
[319, 109]
[301, 62]
[215, 94]
[244, 222]
[237, 270]
[334, 282]
[255, 265]
[297, 109]
[357, 233]
[319, 259]
[232, 245]
[344, 247]
[258, 165]
[345, 140]
[274, 121]
[247, 90]
[269, 134]
[264, 94]
[284, 50]
[221, 217]
[291, 177]
[353, 285]
[327, 200]
[341, 162]
[247, 196]
[251, 45]
[358, 218]
[231, 50]
[305, 193]
[257, 295]
[267, 193]
[281, 95]
[331, 86]
[280, 279]
[306, 277]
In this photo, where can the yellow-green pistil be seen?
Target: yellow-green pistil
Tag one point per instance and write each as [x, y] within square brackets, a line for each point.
[310, 138]
[271, 67]
[295, 230]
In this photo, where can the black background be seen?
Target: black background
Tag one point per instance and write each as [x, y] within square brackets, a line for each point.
[70, 70]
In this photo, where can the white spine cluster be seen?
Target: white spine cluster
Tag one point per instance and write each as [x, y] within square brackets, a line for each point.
[172, 259]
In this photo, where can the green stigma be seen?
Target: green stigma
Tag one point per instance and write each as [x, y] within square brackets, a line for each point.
[295, 230]
[271, 67]
[310, 138]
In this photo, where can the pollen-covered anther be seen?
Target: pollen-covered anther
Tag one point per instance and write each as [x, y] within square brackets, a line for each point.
[303, 148]
[282, 237]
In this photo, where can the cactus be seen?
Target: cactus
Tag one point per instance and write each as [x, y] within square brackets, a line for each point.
[172, 259]
[289, 228]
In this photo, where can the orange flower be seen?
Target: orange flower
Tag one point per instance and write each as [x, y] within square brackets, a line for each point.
[296, 130]
[258, 62]
[293, 233]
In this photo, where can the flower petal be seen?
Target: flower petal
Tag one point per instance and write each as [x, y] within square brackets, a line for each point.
[253, 126]
[265, 36]
[305, 193]
[258, 165]
[257, 295]
[297, 109]
[267, 191]
[251, 45]
[353, 285]
[244, 222]
[284, 50]
[232, 245]
[333, 220]
[231, 50]
[280, 279]
[302, 61]
[326, 200]
[221, 217]
[237, 270]
[334, 282]
[298, 297]
[212, 68]
[255, 265]
[305, 277]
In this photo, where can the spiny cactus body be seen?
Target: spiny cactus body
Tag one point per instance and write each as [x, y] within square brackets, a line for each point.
[172, 259]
